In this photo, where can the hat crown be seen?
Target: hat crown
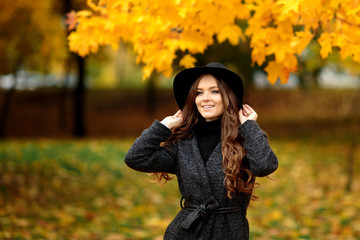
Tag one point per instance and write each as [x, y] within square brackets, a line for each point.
[216, 65]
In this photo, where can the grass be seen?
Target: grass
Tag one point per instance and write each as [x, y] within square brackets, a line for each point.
[83, 190]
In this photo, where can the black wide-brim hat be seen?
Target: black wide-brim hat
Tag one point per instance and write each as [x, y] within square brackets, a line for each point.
[184, 80]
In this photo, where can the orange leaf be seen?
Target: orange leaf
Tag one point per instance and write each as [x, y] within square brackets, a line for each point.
[71, 20]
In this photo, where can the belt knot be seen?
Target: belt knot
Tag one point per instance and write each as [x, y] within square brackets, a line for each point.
[203, 212]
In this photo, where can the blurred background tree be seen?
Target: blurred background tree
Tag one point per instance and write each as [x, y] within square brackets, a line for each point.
[33, 38]
[30, 38]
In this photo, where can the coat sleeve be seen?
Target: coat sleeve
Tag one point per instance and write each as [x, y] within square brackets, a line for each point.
[261, 159]
[146, 154]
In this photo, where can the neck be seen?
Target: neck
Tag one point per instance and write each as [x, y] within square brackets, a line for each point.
[208, 127]
[211, 119]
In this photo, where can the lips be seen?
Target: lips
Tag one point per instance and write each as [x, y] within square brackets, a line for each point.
[207, 106]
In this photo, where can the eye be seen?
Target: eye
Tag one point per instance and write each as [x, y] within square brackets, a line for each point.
[198, 93]
[215, 91]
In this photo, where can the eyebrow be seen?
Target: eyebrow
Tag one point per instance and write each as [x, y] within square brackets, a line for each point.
[209, 87]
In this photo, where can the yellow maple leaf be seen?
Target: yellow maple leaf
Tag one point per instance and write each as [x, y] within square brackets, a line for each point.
[285, 29]
[290, 61]
[277, 70]
[258, 56]
[279, 48]
[301, 41]
[325, 42]
[346, 51]
[188, 61]
[231, 32]
[242, 10]
[289, 5]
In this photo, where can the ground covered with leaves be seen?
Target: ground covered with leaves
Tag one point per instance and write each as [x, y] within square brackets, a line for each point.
[52, 189]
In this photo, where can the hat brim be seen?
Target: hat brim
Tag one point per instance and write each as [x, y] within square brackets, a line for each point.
[184, 80]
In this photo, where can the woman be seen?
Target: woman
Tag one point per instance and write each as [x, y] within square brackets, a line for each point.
[215, 148]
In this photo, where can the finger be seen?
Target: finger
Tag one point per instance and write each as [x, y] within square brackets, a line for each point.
[250, 108]
[176, 122]
[247, 107]
[246, 111]
[251, 111]
[241, 113]
[242, 117]
[177, 113]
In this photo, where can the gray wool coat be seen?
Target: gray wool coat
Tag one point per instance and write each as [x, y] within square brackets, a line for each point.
[198, 182]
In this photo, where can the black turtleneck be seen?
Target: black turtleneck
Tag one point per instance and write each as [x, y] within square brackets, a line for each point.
[208, 135]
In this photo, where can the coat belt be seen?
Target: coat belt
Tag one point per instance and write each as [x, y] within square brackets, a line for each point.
[203, 212]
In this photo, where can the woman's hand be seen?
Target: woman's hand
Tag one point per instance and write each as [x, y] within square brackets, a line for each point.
[173, 121]
[247, 113]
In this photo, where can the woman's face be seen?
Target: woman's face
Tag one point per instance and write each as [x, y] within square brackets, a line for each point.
[208, 98]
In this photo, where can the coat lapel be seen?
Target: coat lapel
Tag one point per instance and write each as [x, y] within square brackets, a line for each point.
[201, 169]
[213, 160]
[215, 173]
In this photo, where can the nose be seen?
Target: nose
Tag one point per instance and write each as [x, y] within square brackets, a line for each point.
[206, 96]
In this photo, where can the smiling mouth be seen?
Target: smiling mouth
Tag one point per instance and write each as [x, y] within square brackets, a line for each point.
[207, 107]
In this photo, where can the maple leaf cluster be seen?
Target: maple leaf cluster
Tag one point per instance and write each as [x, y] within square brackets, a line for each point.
[278, 30]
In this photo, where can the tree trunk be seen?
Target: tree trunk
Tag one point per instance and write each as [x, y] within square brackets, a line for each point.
[79, 93]
[79, 100]
[8, 95]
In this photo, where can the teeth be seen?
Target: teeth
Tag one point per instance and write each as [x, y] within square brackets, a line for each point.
[207, 106]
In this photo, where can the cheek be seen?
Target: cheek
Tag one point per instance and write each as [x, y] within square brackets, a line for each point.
[221, 104]
[220, 101]
[197, 102]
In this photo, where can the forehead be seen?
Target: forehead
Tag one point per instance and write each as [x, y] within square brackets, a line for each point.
[207, 81]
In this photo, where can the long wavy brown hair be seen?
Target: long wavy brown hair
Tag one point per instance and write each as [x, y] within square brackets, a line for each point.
[237, 176]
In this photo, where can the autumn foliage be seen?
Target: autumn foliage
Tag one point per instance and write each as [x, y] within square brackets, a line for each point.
[278, 30]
